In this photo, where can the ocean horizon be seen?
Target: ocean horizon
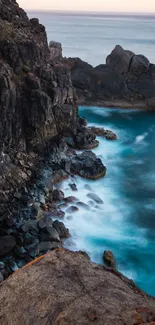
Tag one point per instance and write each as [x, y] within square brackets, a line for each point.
[92, 36]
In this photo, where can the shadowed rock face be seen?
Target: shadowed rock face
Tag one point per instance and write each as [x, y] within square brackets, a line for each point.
[65, 288]
[33, 93]
[125, 80]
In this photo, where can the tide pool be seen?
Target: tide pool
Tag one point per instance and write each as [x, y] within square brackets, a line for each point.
[125, 222]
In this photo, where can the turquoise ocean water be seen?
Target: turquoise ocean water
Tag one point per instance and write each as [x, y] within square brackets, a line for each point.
[125, 223]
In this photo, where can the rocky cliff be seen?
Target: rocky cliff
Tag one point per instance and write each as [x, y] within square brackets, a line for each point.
[65, 288]
[125, 80]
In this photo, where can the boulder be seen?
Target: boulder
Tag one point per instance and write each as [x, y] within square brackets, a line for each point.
[7, 244]
[87, 165]
[72, 209]
[64, 287]
[73, 187]
[61, 229]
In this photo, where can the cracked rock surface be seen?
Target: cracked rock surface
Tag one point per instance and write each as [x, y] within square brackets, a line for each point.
[65, 288]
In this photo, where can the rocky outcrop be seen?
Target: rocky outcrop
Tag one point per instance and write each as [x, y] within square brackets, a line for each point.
[126, 80]
[63, 287]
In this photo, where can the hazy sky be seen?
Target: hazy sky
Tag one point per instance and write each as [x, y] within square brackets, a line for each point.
[91, 5]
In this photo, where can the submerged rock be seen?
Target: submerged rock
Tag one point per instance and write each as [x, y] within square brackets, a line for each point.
[91, 294]
[72, 209]
[95, 198]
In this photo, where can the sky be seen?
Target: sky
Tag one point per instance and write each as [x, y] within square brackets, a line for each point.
[141, 6]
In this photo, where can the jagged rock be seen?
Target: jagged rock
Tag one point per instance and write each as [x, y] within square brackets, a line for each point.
[101, 132]
[109, 258]
[95, 198]
[120, 59]
[61, 229]
[7, 244]
[92, 294]
[87, 165]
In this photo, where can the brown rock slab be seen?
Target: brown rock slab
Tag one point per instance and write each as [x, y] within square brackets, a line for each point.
[66, 288]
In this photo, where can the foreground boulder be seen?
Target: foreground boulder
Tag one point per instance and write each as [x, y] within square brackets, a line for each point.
[65, 288]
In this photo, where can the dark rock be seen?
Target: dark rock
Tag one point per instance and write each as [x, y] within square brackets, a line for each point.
[101, 132]
[120, 59]
[45, 222]
[50, 235]
[20, 251]
[87, 165]
[61, 229]
[48, 245]
[70, 199]
[33, 250]
[30, 226]
[85, 139]
[95, 198]
[83, 205]
[73, 187]
[72, 209]
[7, 244]
[109, 258]
[58, 195]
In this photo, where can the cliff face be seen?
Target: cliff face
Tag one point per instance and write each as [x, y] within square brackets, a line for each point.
[33, 93]
[125, 80]
[65, 288]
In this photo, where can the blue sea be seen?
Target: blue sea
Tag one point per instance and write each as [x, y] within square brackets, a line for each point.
[92, 37]
[125, 222]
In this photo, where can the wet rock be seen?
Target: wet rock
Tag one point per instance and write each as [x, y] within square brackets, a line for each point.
[7, 243]
[87, 165]
[44, 246]
[83, 205]
[29, 239]
[72, 209]
[70, 199]
[58, 195]
[95, 198]
[73, 187]
[108, 258]
[109, 135]
[101, 132]
[61, 229]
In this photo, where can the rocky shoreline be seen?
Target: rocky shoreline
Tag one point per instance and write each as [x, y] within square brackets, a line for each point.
[41, 132]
